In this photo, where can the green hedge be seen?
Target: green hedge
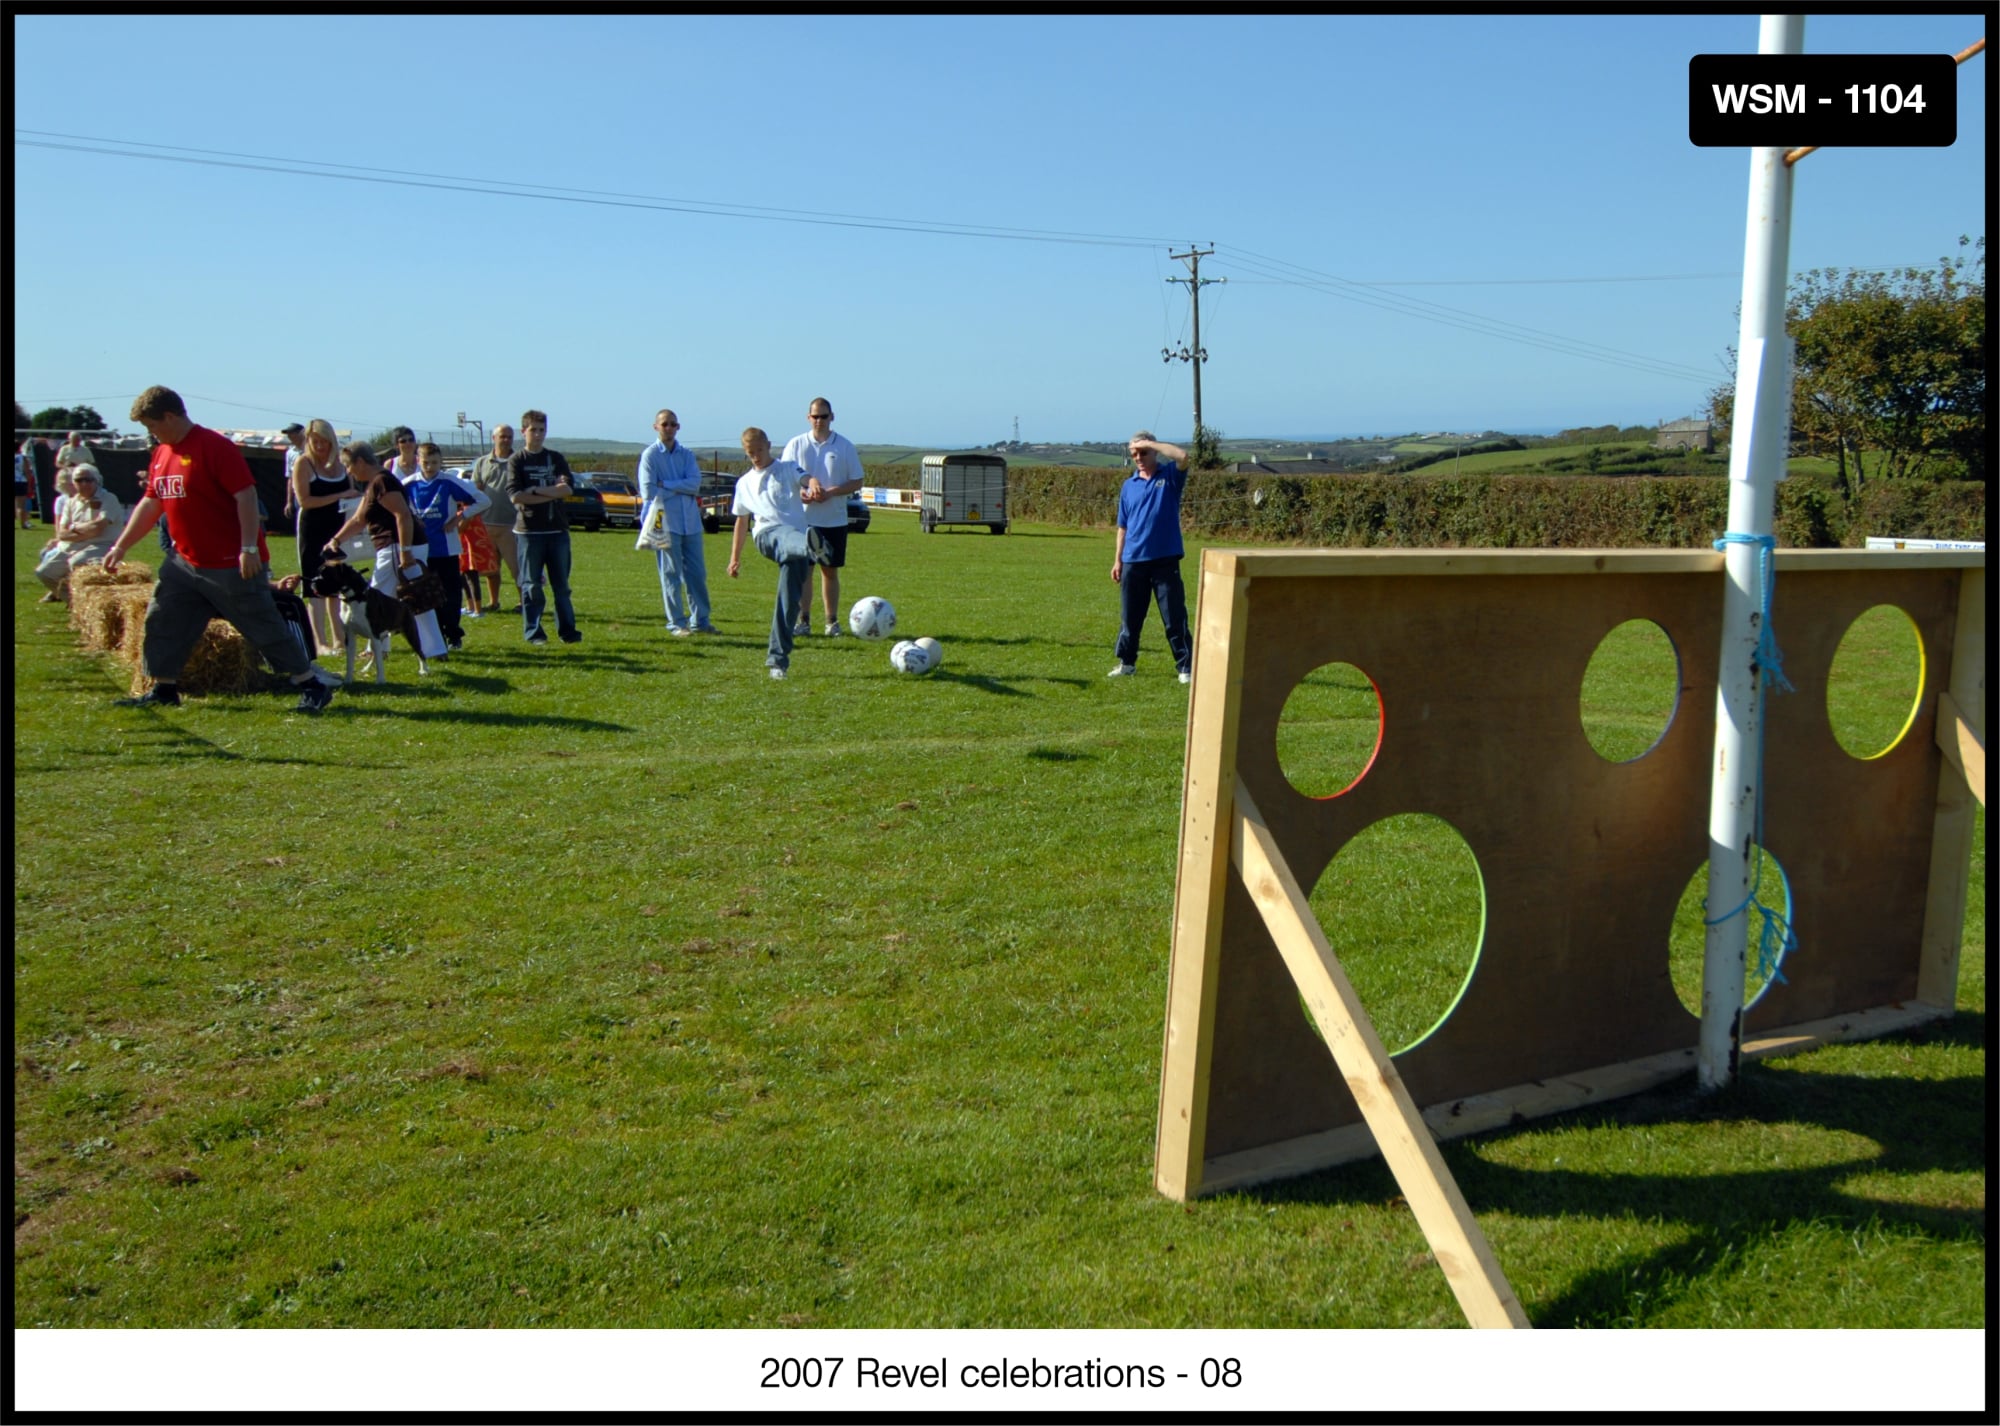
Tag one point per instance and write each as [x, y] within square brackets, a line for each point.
[1507, 511]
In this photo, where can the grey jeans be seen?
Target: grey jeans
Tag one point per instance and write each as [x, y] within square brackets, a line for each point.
[186, 598]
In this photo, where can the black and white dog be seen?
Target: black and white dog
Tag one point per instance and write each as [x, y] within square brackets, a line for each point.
[368, 615]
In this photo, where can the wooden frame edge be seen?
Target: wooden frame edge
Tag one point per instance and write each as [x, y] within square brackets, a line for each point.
[1390, 1114]
[1200, 883]
[1962, 746]
[1265, 563]
[1523, 1103]
[1964, 700]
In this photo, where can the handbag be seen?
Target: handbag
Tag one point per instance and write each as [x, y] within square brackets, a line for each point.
[424, 593]
[653, 533]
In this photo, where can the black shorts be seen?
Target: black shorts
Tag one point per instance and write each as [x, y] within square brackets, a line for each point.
[836, 545]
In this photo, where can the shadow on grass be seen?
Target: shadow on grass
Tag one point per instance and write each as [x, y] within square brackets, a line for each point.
[988, 683]
[1015, 532]
[980, 681]
[163, 738]
[1060, 755]
[473, 717]
[577, 657]
[970, 640]
[1918, 1127]
[366, 688]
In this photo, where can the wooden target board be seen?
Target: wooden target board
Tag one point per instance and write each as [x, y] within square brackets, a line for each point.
[1479, 659]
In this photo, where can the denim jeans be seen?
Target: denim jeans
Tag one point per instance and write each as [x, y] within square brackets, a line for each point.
[1158, 580]
[545, 556]
[683, 564]
[786, 548]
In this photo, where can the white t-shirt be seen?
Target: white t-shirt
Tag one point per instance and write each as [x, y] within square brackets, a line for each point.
[771, 497]
[833, 461]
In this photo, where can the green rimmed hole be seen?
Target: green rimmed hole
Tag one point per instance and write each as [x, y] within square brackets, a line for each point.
[1404, 908]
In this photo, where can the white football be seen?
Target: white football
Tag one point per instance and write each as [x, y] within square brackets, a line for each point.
[872, 618]
[910, 656]
[934, 651]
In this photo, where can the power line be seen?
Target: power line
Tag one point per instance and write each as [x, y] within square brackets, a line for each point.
[1472, 321]
[452, 183]
[1273, 271]
[1297, 275]
[1556, 281]
[349, 421]
[1543, 281]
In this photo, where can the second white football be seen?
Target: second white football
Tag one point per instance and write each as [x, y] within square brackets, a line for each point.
[910, 656]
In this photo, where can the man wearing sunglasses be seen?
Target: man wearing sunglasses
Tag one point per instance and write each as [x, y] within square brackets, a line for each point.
[833, 472]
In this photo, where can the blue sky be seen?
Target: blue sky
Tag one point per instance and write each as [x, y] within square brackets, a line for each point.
[1483, 163]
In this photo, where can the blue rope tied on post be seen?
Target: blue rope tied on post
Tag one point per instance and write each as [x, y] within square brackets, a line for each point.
[1775, 940]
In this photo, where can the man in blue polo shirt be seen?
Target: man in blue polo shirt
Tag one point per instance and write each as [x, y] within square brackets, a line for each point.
[1146, 563]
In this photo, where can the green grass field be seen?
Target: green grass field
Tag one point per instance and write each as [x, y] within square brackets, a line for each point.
[616, 985]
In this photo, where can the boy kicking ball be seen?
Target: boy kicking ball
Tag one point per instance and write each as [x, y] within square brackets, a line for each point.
[768, 510]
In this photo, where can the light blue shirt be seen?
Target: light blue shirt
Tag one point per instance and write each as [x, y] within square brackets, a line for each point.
[671, 479]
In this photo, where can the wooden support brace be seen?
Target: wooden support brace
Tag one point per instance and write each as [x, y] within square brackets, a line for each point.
[1962, 748]
[1386, 1106]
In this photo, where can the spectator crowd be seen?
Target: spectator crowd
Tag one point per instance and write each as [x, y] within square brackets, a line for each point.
[437, 541]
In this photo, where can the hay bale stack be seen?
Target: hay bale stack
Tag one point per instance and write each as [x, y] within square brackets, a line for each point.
[102, 614]
[129, 572]
[222, 662]
[97, 577]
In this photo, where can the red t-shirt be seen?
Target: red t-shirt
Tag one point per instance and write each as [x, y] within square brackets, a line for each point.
[196, 480]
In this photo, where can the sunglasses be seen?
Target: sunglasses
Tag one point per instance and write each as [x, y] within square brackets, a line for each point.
[819, 416]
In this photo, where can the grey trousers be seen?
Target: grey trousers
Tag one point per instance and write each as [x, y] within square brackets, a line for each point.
[186, 598]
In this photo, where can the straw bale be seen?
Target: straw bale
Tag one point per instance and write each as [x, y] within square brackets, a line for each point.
[128, 572]
[222, 662]
[102, 614]
[96, 576]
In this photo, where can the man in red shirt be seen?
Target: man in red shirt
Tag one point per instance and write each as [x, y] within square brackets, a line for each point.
[218, 570]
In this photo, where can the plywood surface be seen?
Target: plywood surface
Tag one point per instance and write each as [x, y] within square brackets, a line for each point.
[1583, 861]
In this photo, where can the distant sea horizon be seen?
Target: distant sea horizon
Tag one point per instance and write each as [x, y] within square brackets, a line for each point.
[613, 447]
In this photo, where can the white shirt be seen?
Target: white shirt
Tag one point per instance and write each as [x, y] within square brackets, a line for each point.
[771, 497]
[833, 461]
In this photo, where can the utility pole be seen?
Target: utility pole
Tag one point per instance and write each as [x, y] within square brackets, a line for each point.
[1195, 354]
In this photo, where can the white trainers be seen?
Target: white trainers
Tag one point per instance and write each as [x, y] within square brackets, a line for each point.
[1124, 670]
[832, 630]
[777, 673]
[1186, 677]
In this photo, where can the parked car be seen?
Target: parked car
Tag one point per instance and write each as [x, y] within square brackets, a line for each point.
[620, 496]
[584, 506]
[717, 498]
